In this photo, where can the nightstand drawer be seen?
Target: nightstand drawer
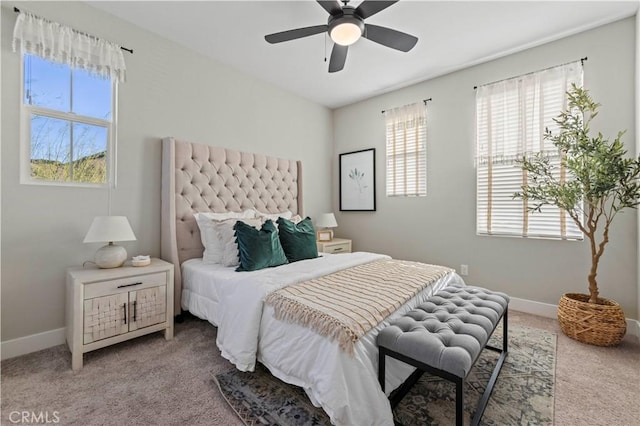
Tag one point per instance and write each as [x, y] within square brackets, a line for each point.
[335, 246]
[103, 288]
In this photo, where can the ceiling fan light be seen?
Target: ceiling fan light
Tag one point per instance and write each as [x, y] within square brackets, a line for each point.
[346, 33]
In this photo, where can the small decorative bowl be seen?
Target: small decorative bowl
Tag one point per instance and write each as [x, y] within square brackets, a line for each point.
[141, 260]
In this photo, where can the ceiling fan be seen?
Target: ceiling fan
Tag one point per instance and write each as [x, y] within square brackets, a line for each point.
[346, 25]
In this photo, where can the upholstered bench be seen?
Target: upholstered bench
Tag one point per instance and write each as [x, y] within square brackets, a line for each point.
[445, 336]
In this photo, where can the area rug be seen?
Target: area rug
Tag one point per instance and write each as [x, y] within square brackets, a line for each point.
[523, 393]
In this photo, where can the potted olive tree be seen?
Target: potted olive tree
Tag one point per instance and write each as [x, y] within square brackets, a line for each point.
[602, 182]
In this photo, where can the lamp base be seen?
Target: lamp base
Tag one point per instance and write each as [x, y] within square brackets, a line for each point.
[110, 256]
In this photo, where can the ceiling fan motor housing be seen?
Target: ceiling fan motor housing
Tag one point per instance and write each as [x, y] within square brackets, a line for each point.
[350, 20]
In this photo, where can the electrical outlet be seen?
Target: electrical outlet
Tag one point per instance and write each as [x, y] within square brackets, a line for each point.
[464, 270]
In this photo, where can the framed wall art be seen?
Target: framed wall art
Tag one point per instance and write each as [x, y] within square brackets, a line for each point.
[324, 235]
[358, 180]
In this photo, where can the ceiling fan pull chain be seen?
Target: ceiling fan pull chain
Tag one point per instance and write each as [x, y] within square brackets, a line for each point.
[325, 47]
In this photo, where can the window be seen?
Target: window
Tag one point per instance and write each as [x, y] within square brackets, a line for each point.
[68, 116]
[511, 117]
[407, 151]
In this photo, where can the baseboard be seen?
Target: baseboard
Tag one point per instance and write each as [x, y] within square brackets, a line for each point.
[32, 343]
[633, 329]
[548, 310]
[47, 339]
[545, 310]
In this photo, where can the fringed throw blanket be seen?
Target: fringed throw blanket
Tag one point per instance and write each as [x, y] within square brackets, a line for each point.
[345, 305]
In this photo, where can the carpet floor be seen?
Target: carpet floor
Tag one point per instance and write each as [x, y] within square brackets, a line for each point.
[523, 393]
[149, 381]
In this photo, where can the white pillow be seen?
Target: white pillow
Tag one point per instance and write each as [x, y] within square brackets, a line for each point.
[273, 216]
[247, 214]
[213, 248]
[230, 255]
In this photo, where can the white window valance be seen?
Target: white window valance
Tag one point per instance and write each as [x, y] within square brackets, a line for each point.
[65, 45]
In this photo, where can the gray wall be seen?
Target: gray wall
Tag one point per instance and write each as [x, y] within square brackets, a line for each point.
[441, 227]
[638, 134]
[173, 91]
[170, 91]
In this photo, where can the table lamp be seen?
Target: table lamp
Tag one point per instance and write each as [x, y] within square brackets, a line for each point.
[326, 221]
[107, 229]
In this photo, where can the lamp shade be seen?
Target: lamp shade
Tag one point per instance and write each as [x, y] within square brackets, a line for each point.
[109, 228]
[346, 29]
[346, 33]
[327, 220]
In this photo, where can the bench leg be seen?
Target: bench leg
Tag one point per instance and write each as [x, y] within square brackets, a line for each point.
[482, 405]
[396, 396]
[381, 372]
[459, 402]
[505, 332]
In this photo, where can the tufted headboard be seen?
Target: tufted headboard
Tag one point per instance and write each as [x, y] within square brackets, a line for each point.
[204, 178]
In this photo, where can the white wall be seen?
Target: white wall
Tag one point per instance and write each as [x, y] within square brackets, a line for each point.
[638, 136]
[441, 227]
[170, 91]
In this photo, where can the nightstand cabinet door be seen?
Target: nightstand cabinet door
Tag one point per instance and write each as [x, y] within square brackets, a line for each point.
[105, 316]
[147, 307]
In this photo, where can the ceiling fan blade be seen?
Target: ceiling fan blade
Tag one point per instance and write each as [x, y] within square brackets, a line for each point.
[338, 57]
[370, 7]
[294, 34]
[331, 6]
[390, 38]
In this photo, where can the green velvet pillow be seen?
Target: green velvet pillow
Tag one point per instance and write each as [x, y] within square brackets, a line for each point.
[258, 248]
[298, 239]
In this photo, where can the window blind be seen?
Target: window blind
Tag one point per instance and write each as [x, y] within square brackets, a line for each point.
[511, 118]
[406, 133]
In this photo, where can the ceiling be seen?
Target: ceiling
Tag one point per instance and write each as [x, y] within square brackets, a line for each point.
[452, 35]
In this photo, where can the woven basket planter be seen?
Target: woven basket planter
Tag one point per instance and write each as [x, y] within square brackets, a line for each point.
[600, 324]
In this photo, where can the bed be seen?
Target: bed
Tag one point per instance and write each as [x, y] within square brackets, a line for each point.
[201, 178]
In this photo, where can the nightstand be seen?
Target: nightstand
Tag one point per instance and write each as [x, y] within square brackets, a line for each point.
[107, 306]
[337, 245]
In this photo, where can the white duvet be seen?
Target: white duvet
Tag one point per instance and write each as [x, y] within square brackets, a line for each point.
[345, 386]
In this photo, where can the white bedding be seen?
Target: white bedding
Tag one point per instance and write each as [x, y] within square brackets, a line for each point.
[345, 386]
